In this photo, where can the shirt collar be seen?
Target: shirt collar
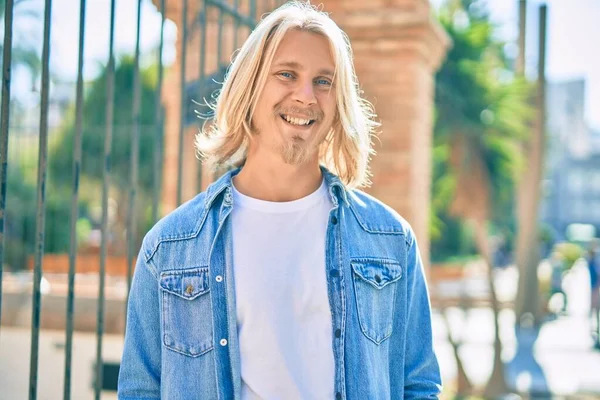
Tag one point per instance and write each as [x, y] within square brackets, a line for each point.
[336, 188]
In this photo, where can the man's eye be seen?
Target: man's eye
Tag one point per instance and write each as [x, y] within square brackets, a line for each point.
[286, 74]
[324, 82]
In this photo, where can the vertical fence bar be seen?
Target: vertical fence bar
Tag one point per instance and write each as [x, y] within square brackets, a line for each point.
[236, 24]
[5, 111]
[220, 39]
[253, 11]
[41, 205]
[135, 140]
[158, 115]
[74, 206]
[203, 30]
[110, 77]
[182, 106]
[202, 73]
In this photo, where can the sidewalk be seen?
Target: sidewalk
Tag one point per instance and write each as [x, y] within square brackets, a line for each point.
[559, 361]
[14, 363]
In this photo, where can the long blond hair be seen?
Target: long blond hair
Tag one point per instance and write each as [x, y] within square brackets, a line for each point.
[346, 149]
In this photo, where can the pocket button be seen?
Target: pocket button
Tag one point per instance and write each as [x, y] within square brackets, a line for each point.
[189, 289]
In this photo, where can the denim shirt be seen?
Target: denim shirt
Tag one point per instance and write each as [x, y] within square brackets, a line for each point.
[181, 338]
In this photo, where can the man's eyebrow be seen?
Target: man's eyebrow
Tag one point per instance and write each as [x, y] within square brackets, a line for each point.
[298, 66]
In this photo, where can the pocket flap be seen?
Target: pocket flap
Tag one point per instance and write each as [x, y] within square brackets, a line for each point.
[377, 272]
[187, 284]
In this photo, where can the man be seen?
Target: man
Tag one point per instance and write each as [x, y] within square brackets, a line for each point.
[282, 281]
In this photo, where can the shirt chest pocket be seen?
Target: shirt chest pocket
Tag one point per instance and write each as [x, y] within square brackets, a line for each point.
[186, 311]
[375, 286]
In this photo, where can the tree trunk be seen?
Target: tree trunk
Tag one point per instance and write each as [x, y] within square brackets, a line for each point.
[464, 387]
[496, 385]
[528, 199]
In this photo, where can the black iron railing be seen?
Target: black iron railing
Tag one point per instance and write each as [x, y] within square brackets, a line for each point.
[233, 16]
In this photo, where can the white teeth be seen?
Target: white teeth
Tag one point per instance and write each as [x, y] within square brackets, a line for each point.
[296, 121]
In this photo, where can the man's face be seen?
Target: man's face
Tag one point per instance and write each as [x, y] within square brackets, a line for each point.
[297, 107]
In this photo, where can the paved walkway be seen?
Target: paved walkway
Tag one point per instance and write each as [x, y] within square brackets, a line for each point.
[14, 363]
[558, 361]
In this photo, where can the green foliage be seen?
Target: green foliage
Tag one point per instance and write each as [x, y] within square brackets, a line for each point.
[479, 98]
[93, 142]
[21, 192]
[569, 252]
[94, 116]
[456, 241]
[21, 213]
[20, 219]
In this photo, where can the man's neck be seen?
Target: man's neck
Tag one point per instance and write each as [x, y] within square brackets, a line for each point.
[281, 182]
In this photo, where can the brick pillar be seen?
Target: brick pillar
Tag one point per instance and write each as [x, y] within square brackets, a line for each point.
[397, 50]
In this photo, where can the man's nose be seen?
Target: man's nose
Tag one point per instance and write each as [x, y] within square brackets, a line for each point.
[305, 93]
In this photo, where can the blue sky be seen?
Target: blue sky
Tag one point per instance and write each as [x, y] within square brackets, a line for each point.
[573, 46]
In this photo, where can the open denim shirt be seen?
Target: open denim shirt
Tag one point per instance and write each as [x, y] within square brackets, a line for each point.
[181, 340]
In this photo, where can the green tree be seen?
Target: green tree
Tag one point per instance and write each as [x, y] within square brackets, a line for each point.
[94, 114]
[21, 191]
[21, 219]
[20, 197]
[482, 113]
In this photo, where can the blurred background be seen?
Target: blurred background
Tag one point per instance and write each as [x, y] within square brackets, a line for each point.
[489, 147]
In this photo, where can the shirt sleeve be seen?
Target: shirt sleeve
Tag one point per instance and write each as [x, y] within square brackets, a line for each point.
[422, 379]
[139, 374]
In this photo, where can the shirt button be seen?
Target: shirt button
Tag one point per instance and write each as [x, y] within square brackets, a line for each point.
[338, 333]
[334, 220]
[335, 273]
[219, 278]
[223, 342]
[338, 396]
[377, 278]
[189, 289]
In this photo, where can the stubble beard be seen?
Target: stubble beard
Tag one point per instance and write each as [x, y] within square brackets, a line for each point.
[295, 151]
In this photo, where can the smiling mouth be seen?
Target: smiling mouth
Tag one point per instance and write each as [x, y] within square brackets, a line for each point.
[297, 121]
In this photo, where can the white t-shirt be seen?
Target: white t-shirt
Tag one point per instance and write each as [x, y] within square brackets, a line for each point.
[283, 314]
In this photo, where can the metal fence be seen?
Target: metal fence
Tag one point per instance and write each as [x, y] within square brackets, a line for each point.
[236, 16]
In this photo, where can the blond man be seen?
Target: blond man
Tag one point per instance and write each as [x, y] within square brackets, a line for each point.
[282, 280]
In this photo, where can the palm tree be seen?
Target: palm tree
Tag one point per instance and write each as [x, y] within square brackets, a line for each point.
[482, 113]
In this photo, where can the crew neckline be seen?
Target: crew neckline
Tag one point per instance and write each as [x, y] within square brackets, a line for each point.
[301, 204]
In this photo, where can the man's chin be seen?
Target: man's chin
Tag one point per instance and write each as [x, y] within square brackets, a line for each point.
[295, 153]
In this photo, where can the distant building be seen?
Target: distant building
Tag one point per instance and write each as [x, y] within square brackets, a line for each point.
[571, 189]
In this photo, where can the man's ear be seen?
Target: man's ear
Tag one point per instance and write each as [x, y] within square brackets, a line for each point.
[248, 123]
